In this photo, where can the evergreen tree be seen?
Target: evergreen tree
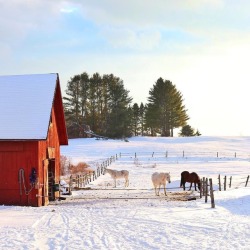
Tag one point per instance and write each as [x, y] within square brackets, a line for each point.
[151, 119]
[165, 110]
[118, 117]
[135, 119]
[94, 102]
[100, 102]
[72, 105]
[197, 133]
[142, 118]
[187, 130]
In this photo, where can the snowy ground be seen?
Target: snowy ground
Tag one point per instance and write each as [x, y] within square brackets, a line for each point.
[104, 217]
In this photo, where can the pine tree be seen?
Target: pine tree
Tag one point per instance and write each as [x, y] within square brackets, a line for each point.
[165, 110]
[142, 118]
[100, 102]
[197, 133]
[95, 102]
[135, 119]
[187, 130]
[72, 105]
[118, 117]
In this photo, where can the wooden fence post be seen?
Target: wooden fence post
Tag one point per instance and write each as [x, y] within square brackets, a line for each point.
[70, 182]
[206, 190]
[230, 182]
[201, 189]
[82, 181]
[247, 180]
[219, 183]
[225, 183]
[204, 183]
[78, 181]
[211, 193]
[166, 154]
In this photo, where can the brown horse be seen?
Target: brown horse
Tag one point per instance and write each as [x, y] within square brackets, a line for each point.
[190, 177]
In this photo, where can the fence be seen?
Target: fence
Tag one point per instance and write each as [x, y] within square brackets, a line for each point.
[80, 181]
[208, 190]
[238, 184]
[188, 154]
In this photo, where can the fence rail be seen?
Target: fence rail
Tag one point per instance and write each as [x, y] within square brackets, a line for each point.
[81, 180]
[188, 154]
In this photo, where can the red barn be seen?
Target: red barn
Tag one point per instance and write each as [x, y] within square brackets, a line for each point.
[32, 128]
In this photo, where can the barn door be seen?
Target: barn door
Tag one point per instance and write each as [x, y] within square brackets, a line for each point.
[51, 179]
[45, 183]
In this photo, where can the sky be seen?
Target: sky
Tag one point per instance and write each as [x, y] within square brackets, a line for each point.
[201, 46]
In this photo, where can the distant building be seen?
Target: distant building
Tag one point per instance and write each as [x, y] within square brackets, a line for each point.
[32, 128]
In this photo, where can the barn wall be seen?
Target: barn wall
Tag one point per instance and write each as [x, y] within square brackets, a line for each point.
[45, 160]
[14, 156]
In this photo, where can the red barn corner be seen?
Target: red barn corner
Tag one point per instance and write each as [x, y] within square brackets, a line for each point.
[32, 128]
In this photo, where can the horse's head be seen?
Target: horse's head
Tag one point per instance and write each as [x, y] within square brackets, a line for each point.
[168, 177]
[199, 184]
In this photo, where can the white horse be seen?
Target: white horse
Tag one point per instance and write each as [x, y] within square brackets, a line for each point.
[115, 174]
[159, 179]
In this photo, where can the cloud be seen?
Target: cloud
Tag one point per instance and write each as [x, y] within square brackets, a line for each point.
[19, 18]
[132, 39]
[202, 17]
[68, 9]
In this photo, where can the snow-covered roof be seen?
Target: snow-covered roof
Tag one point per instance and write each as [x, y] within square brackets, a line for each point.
[25, 106]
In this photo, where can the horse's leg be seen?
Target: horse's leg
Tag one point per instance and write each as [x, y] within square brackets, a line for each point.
[155, 190]
[184, 188]
[165, 192]
[115, 182]
[159, 190]
[127, 181]
[195, 186]
[191, 183]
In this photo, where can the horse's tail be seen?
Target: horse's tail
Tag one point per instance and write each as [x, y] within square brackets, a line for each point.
[181, 183]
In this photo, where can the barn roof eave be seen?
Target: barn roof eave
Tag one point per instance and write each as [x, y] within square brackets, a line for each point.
[22, 139]
[59, 115]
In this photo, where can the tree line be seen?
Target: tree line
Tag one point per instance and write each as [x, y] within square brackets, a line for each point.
[101, 105]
